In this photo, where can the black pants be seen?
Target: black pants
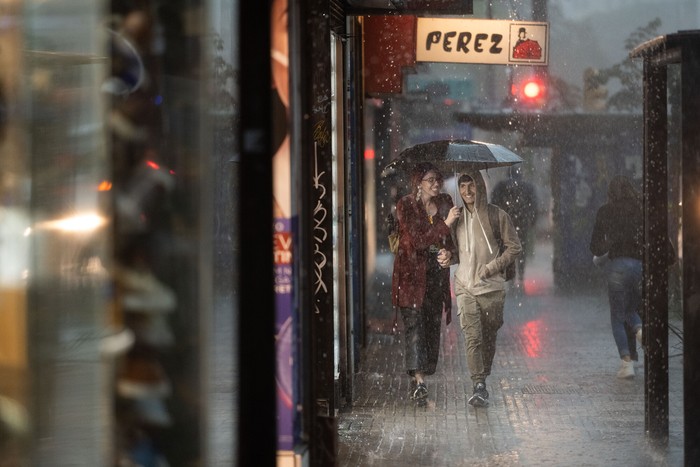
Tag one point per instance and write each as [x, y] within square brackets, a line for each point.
[422, 329]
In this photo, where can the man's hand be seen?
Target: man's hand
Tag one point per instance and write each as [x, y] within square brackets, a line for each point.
[487, 270]
[444, 257]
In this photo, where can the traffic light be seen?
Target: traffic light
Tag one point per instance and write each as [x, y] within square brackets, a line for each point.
[529, 92]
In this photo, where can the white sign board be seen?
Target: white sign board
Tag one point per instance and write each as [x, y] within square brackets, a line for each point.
[486, 41]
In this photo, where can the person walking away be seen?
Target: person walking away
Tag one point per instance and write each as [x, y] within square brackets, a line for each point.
[479, 279]
[420, 285]
[518, 198]
[618, 232]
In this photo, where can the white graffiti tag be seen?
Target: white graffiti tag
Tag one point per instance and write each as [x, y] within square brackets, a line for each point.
[320, 234]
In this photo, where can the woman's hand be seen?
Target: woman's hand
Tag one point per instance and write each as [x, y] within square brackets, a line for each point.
[453, 215]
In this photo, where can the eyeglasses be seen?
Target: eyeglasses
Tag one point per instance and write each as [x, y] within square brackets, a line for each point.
[432, 180]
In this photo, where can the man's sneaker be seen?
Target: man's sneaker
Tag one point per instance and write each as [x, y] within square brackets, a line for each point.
[420, 395]
[480, 398]
[626, 370]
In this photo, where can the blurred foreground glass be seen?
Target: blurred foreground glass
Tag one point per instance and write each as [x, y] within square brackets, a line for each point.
[107, 269]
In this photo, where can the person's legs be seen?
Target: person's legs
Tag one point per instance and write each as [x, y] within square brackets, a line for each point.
[414, 351]
[412, 330]
[491, 305]
[618, 298]
[520, 268]
[633, 321]
[634, 286]
[520, 261]
[470, 322]
[431, 325]
[527, 243]
[431, 315]
[624, 276]
[631, 342]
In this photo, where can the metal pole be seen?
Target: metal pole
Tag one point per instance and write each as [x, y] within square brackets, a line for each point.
[655, 255]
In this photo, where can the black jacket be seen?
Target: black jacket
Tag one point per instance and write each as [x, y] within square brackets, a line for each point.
[618, 231]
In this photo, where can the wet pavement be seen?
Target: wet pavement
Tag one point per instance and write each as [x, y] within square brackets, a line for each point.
[555, 398]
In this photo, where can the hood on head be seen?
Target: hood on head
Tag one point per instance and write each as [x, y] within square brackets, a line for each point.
[481, 196]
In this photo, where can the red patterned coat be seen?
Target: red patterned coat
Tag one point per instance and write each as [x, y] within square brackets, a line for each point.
[416, 236]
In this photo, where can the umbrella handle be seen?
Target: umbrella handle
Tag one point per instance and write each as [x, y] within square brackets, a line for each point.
[456, 187]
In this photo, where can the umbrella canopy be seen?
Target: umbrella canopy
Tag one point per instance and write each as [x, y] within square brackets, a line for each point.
[453, 156]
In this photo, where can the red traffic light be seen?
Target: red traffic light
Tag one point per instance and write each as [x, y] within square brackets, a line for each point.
[533, 90]
[530, 91]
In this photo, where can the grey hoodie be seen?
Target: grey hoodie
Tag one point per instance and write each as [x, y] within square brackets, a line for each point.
[480, 268]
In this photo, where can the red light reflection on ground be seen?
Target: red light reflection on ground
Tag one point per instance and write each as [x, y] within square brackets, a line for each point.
[535, 287]
[531, 338]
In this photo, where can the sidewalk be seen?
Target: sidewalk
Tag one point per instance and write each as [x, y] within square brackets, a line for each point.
[555, 399]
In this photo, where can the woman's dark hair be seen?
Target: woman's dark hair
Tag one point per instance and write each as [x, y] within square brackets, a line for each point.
[419, 172]
[621, 189]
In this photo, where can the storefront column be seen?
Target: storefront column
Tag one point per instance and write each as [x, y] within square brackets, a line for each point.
[316, 228]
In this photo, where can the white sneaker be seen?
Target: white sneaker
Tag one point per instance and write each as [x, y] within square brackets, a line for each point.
[626, 370]
[639, 336]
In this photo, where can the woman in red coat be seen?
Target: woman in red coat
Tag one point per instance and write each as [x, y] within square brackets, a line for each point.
[421, 281]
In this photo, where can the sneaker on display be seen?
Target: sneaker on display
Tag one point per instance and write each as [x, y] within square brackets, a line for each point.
[143, 292]
[116, 342]
[142, 376]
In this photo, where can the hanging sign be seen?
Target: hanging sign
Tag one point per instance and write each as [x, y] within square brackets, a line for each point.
[484, 41]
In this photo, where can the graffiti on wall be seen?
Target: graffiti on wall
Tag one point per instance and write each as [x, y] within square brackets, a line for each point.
[320, 234]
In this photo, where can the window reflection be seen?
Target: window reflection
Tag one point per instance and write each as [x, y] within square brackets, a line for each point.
[101, 163]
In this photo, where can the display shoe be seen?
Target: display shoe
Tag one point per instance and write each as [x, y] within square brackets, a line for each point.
[626, 370]
[143, 292]
[142, 377]
[116, 342]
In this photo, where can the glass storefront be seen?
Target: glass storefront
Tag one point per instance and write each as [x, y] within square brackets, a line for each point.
[117, 150]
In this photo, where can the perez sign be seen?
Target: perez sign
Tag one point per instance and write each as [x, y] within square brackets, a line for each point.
[482, 41]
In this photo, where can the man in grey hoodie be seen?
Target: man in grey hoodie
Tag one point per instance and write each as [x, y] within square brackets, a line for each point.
[479, 281]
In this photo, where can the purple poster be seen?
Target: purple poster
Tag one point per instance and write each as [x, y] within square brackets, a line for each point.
[284, 333]
[282, 241]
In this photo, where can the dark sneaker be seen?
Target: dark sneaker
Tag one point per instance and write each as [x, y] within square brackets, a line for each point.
[480, 398]
[420, 395]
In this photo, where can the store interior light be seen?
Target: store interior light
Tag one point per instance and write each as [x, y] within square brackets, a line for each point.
[81, 223]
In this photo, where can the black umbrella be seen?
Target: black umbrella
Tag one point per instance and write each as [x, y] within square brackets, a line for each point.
[453, 156]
